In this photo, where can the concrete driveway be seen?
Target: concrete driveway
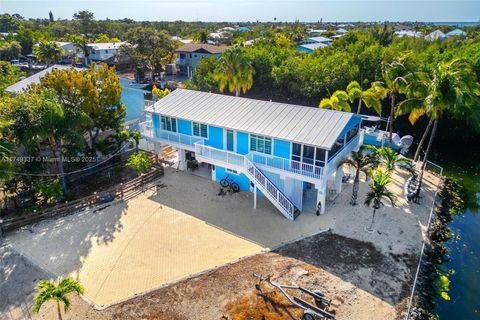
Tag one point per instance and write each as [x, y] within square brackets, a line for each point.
[158, 238]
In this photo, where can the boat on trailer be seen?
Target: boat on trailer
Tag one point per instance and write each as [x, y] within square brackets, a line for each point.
[374, 134]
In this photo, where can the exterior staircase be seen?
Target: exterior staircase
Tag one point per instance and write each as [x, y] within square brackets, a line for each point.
[243, 164]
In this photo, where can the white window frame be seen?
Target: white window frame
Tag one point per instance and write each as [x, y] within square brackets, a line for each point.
[171, 119]
[272, 143]
[199, 130]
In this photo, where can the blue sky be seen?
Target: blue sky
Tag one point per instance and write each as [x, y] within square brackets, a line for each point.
[252, 10]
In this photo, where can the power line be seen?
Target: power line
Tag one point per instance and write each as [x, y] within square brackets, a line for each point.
[67, 173]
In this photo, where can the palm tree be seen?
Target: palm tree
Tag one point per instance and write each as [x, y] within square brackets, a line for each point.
[338, 101]
[393, 84]
[391, 158]
[48, 290]
[452, 88]
[48, 51]
[235, 72]
[371, 97]
[362, 162]
[378, 193]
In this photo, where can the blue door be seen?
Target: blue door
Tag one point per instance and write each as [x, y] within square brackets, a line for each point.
[230, 141]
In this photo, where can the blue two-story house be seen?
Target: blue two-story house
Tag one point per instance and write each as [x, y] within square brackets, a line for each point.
[281, 151]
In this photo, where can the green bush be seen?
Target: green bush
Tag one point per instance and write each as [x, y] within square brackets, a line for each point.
[139, 161]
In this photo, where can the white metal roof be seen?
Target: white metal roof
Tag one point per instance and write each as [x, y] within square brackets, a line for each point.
[313, 46]
[106, 45]
[23, 84]
[307, 125]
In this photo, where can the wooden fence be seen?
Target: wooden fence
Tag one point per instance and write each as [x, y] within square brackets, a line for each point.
[123, 191]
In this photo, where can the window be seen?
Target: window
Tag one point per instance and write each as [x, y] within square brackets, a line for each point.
[169, 124]
[106, 51]
[260, 144]
[231, 171]
[337, 146]
[297, 152]
[308, 154]
[352, 133]
[200, 130]
[319, 157]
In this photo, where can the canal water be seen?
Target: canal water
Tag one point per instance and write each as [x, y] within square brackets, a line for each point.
[464, 253]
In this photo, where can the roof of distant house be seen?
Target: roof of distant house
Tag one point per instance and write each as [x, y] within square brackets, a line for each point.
[23, 84]
[456, 32]
[435, 35]
[312, 126]
[202, 47]
[313, 46]
[184, 41]
[106, 45]
[319, 39]
[244, 28]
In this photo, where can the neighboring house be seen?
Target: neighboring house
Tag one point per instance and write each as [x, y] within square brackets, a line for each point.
[323, 40]
[181, 40]
[103, 51]
[69, 49]
[316, 32]
[35, 78]
[291, 154]
[435, 35]
[244, 29]
[189, 55]
[408, 33]
[309, 48]
[341, 31]
[456, 33]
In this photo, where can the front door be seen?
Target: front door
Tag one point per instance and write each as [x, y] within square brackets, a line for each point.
[230, 141]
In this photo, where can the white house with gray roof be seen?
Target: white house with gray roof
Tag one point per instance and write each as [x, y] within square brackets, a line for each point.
[288, 153]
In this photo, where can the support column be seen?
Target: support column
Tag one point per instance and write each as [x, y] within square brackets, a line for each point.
[338, 179]
[254, 196]
[321, 200]
[181, 160]
[158, 149]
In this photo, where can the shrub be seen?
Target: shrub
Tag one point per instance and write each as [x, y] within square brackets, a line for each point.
[139, 161]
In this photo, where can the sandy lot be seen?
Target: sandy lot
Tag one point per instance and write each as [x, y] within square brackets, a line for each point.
[367, 274]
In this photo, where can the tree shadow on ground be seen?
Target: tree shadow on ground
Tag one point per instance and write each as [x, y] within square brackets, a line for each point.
[386, 276]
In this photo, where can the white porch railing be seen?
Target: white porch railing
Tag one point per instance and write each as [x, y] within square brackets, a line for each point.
[182, 140]
[224, 156]
[303, 169]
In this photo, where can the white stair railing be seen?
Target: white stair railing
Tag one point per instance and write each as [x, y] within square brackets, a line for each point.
[268, 188]
[286, 207]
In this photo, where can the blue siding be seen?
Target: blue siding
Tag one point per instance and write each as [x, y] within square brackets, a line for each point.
[215, 137]
[184, 127]
[242, 142]
[281, 148]
[156, 125]
[241, 179]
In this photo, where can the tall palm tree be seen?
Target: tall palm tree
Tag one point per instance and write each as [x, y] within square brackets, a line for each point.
[362, 162]
[49, 52]
[371, 97]
[378, 193]
[393, 84]
[452, 88]
[338, 101]
[235, 72]
[58, 292]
